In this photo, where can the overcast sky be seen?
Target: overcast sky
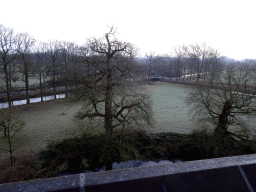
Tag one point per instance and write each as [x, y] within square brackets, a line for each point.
[159, 25]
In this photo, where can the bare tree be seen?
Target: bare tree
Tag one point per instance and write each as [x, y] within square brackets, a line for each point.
[178, 61]
[161, 65]
[8, 54]
[215, 66]
[188, 62]
[69, 62]
[25, 43]
[111, 84]
[41, 66]
[54, 58]
[227, 101]
[200, 56]
[10, 124]
[152, 58]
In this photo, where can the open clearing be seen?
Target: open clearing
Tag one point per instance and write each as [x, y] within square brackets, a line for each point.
[170, 110]
[46, 123]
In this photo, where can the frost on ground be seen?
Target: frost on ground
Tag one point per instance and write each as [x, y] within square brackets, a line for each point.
[170, 110]
[45, 122]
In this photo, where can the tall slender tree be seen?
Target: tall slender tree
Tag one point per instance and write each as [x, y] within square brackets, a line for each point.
[8, 54]
[25, 43]
[54, 58]
[41, 66]
[152, 58]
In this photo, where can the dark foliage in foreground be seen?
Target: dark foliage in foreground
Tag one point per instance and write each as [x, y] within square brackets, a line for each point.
[89, 152]
[86, 152]
[200, 145]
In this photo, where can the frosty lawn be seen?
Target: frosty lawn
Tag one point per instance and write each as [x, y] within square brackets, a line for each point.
[170, 110]
[45, 121]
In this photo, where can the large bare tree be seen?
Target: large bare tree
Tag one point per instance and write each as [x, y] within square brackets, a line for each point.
[227, 101]
[109, 76]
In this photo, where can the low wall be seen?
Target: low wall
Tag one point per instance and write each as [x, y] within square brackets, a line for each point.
[221, 174]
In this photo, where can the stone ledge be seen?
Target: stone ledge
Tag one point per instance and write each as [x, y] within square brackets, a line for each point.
[160, 170]
[80, 182]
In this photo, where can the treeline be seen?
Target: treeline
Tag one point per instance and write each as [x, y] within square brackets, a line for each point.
[59, 61]
[195, 61]
[63, 63]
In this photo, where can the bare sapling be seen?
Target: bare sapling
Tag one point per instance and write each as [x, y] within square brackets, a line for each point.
[10, 124]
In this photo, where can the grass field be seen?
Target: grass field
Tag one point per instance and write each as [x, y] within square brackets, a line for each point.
[46, 123]
[170, 110]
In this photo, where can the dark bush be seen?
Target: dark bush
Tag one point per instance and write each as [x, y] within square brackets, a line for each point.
[91, 152]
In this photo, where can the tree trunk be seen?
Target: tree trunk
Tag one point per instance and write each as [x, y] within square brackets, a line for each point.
[149, 70]
[7, 86]
[66, 85]
[54, 85]
[10, 146]
[190, 73]
[222, 125]
[41, 87]
[108, 130]
[27, 84]
[108, 116]
[10, 77]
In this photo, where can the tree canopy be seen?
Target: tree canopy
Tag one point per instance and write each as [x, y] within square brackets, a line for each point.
[111, 83]
[227, 101]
